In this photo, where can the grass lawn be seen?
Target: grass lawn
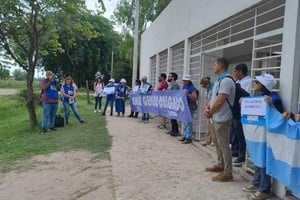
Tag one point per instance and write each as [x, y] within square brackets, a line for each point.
[19, 142]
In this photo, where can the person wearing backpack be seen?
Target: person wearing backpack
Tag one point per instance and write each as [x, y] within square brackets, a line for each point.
[219, 112]
[237, 138]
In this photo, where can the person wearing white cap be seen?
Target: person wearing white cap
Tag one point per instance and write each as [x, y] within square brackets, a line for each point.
[192, 96]
[261, 183]
[145, 88]
[121, 92]
[110, 98]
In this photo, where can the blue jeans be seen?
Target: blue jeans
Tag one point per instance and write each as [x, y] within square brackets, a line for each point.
[262, 180]
[67, 111]
[49, 112]
[111, 102]
[188, 128]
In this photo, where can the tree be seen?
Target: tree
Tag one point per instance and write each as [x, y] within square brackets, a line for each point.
[19, 75]
[27, 32]
[4, 73]
[149, 10]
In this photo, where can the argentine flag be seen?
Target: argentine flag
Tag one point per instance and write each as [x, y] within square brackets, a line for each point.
[283, 150]
[253, 120]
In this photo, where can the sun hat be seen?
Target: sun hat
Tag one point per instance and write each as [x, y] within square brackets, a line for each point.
[186, 78]
[267, 80]
[122, 80]
[111, 80]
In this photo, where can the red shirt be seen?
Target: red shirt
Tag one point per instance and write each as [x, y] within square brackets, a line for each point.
[163, 85]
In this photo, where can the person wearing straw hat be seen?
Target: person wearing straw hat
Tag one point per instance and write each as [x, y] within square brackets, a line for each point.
[121, 92]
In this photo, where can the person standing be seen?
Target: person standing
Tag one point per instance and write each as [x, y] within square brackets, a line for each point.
[144, 90]
[121, 92]
[69, 93]
[110, 98]
[237, 138]
[98, 88]
[208, 86]
[220, 113]
[192, 96]
[136, 88]
[50, 99]
[173, 85]
[261, 182]
[163, 85]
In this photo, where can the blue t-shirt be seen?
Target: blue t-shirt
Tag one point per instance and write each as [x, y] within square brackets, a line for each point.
[51, 91]
[121, 90]
[69, 90]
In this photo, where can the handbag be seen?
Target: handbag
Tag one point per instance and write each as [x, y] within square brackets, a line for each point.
[59, 121]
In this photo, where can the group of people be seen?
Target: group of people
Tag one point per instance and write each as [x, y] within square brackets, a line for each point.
[51, 94]
[115, 93]
[225, 126]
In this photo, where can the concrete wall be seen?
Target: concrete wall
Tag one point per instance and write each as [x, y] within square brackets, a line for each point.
[183, 19]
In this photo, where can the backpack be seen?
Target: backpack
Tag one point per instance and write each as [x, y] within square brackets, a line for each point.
[239, 92]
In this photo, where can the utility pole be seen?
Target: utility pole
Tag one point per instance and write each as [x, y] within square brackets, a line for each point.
[136, 41]
[112, 64]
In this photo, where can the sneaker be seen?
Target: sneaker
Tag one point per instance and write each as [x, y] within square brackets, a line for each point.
[250, 188]
[44, 130]
[82, 121]
[182, 139]
[174, 134]
[222, 177]
[214, 168]
[103, 114]
[188, 141]
[53, 129]
[161, 126]
[145, 121]
[238, 162]
[212, 144]
[95, 111]
[204, 143]
[260, 196]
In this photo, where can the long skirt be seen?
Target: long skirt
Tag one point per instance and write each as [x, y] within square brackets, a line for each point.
[120, 105]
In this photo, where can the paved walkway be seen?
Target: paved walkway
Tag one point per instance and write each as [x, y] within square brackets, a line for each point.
[149, 164]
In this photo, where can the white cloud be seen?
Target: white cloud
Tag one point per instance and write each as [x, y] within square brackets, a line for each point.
[110, 5]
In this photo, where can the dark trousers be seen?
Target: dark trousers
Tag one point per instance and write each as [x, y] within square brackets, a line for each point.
[237, 139]
[174, 126]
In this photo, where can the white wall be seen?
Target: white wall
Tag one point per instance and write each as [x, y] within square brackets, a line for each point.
[183, 19]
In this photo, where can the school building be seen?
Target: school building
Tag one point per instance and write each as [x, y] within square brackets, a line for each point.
[189, 35]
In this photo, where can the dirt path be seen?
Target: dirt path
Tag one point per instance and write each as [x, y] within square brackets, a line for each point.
[4, 91]
[146, 164]
[149, 164]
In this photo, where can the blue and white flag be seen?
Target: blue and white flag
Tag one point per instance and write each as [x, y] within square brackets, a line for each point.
[172, 104]
[253, 120]
[283, 150]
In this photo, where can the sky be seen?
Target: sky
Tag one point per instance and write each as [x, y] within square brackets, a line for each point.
[92, 5]
[110, 5]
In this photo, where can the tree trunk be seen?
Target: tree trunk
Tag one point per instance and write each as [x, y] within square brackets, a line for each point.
[30, 98]
[87, 91]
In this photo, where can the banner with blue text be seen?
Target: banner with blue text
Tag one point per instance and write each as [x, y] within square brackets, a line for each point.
[172, 104]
